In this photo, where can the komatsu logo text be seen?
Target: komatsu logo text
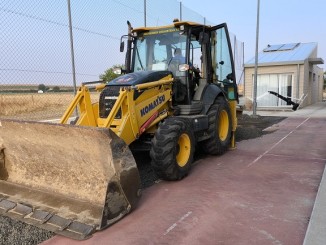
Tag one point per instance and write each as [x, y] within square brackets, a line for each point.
[159, 100]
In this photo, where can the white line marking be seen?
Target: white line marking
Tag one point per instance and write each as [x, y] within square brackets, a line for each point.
[303, 158]
[277, 143]
[50, 120]
[58, 119]
[176, 223]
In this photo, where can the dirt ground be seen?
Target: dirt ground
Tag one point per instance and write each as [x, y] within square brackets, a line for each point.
[14, 232]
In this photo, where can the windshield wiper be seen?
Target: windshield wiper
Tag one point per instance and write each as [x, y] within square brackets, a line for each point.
[138, 56]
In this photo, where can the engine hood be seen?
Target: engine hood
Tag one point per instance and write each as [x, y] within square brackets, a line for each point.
[138, 77]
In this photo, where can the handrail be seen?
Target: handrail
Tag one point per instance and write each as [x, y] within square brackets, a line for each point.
[152, 84]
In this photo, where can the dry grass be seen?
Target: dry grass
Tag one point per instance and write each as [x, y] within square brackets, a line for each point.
[23, 106]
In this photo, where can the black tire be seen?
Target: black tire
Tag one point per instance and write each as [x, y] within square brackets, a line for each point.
[219, 129]
[173, 149]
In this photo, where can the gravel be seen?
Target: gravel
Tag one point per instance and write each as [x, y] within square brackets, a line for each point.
[15, 232]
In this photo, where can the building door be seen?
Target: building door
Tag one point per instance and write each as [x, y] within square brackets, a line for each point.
[279, 83]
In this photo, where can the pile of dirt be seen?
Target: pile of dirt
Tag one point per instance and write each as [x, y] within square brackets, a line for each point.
[15, 232]
[250, 127]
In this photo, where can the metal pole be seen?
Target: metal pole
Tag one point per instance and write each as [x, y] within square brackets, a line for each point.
[234, 48]
[145, 13]
[72, 49]
[256, 62]
[243, 58]
[180, 10]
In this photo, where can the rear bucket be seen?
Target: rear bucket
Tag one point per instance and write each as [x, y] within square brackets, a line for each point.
[67, 179]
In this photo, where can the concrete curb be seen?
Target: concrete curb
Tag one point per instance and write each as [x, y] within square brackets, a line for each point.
[316, 231]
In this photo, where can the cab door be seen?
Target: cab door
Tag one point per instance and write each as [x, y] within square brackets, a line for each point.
[222, 60]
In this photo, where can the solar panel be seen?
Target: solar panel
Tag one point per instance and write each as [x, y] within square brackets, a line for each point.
[281, 47]
[289, 46]
[271, 48]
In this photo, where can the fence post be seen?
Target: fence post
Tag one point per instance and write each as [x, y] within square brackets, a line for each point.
[72, 49]
[145, 12]
[72, 53]
[256, 63]
[180, 10]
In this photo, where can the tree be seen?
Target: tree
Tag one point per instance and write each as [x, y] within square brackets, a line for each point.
[56, 89]
[109, 74]
[42, 87]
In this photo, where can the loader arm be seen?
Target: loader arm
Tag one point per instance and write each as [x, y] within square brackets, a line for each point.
[140, 114]
[137, 115]
[87, 111]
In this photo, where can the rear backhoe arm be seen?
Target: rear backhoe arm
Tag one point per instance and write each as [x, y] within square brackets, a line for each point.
[286, 99]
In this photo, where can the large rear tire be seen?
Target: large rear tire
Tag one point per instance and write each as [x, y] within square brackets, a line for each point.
[220, 127]
[173, 149]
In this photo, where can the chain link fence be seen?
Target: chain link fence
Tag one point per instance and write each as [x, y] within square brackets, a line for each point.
[36, 78]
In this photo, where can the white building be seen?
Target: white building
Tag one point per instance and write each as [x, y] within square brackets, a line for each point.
[288, 69]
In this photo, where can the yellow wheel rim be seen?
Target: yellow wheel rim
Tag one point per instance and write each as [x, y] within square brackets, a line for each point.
[223, 124]
[184, 144]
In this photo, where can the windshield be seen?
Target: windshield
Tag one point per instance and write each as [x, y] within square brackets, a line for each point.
[155, 49]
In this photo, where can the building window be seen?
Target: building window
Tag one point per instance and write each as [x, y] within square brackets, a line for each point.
[279, 83]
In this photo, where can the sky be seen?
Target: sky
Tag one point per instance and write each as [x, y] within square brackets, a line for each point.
[280, 21]
[35, 41]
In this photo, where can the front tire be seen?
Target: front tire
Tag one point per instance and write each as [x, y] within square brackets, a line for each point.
[173, 149]
[220, 127]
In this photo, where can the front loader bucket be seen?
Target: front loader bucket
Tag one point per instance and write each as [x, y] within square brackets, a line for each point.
[67, 179]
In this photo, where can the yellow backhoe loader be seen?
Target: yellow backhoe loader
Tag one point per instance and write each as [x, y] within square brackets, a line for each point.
[177, 92]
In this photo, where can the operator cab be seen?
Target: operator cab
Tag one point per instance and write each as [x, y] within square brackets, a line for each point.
[195, 54]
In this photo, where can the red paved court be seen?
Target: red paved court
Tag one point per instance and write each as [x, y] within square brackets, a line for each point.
[261, 193]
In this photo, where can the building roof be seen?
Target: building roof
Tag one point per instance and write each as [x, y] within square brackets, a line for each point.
[281, 54]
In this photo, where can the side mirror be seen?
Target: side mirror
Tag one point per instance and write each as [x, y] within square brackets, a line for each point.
[122, 46]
